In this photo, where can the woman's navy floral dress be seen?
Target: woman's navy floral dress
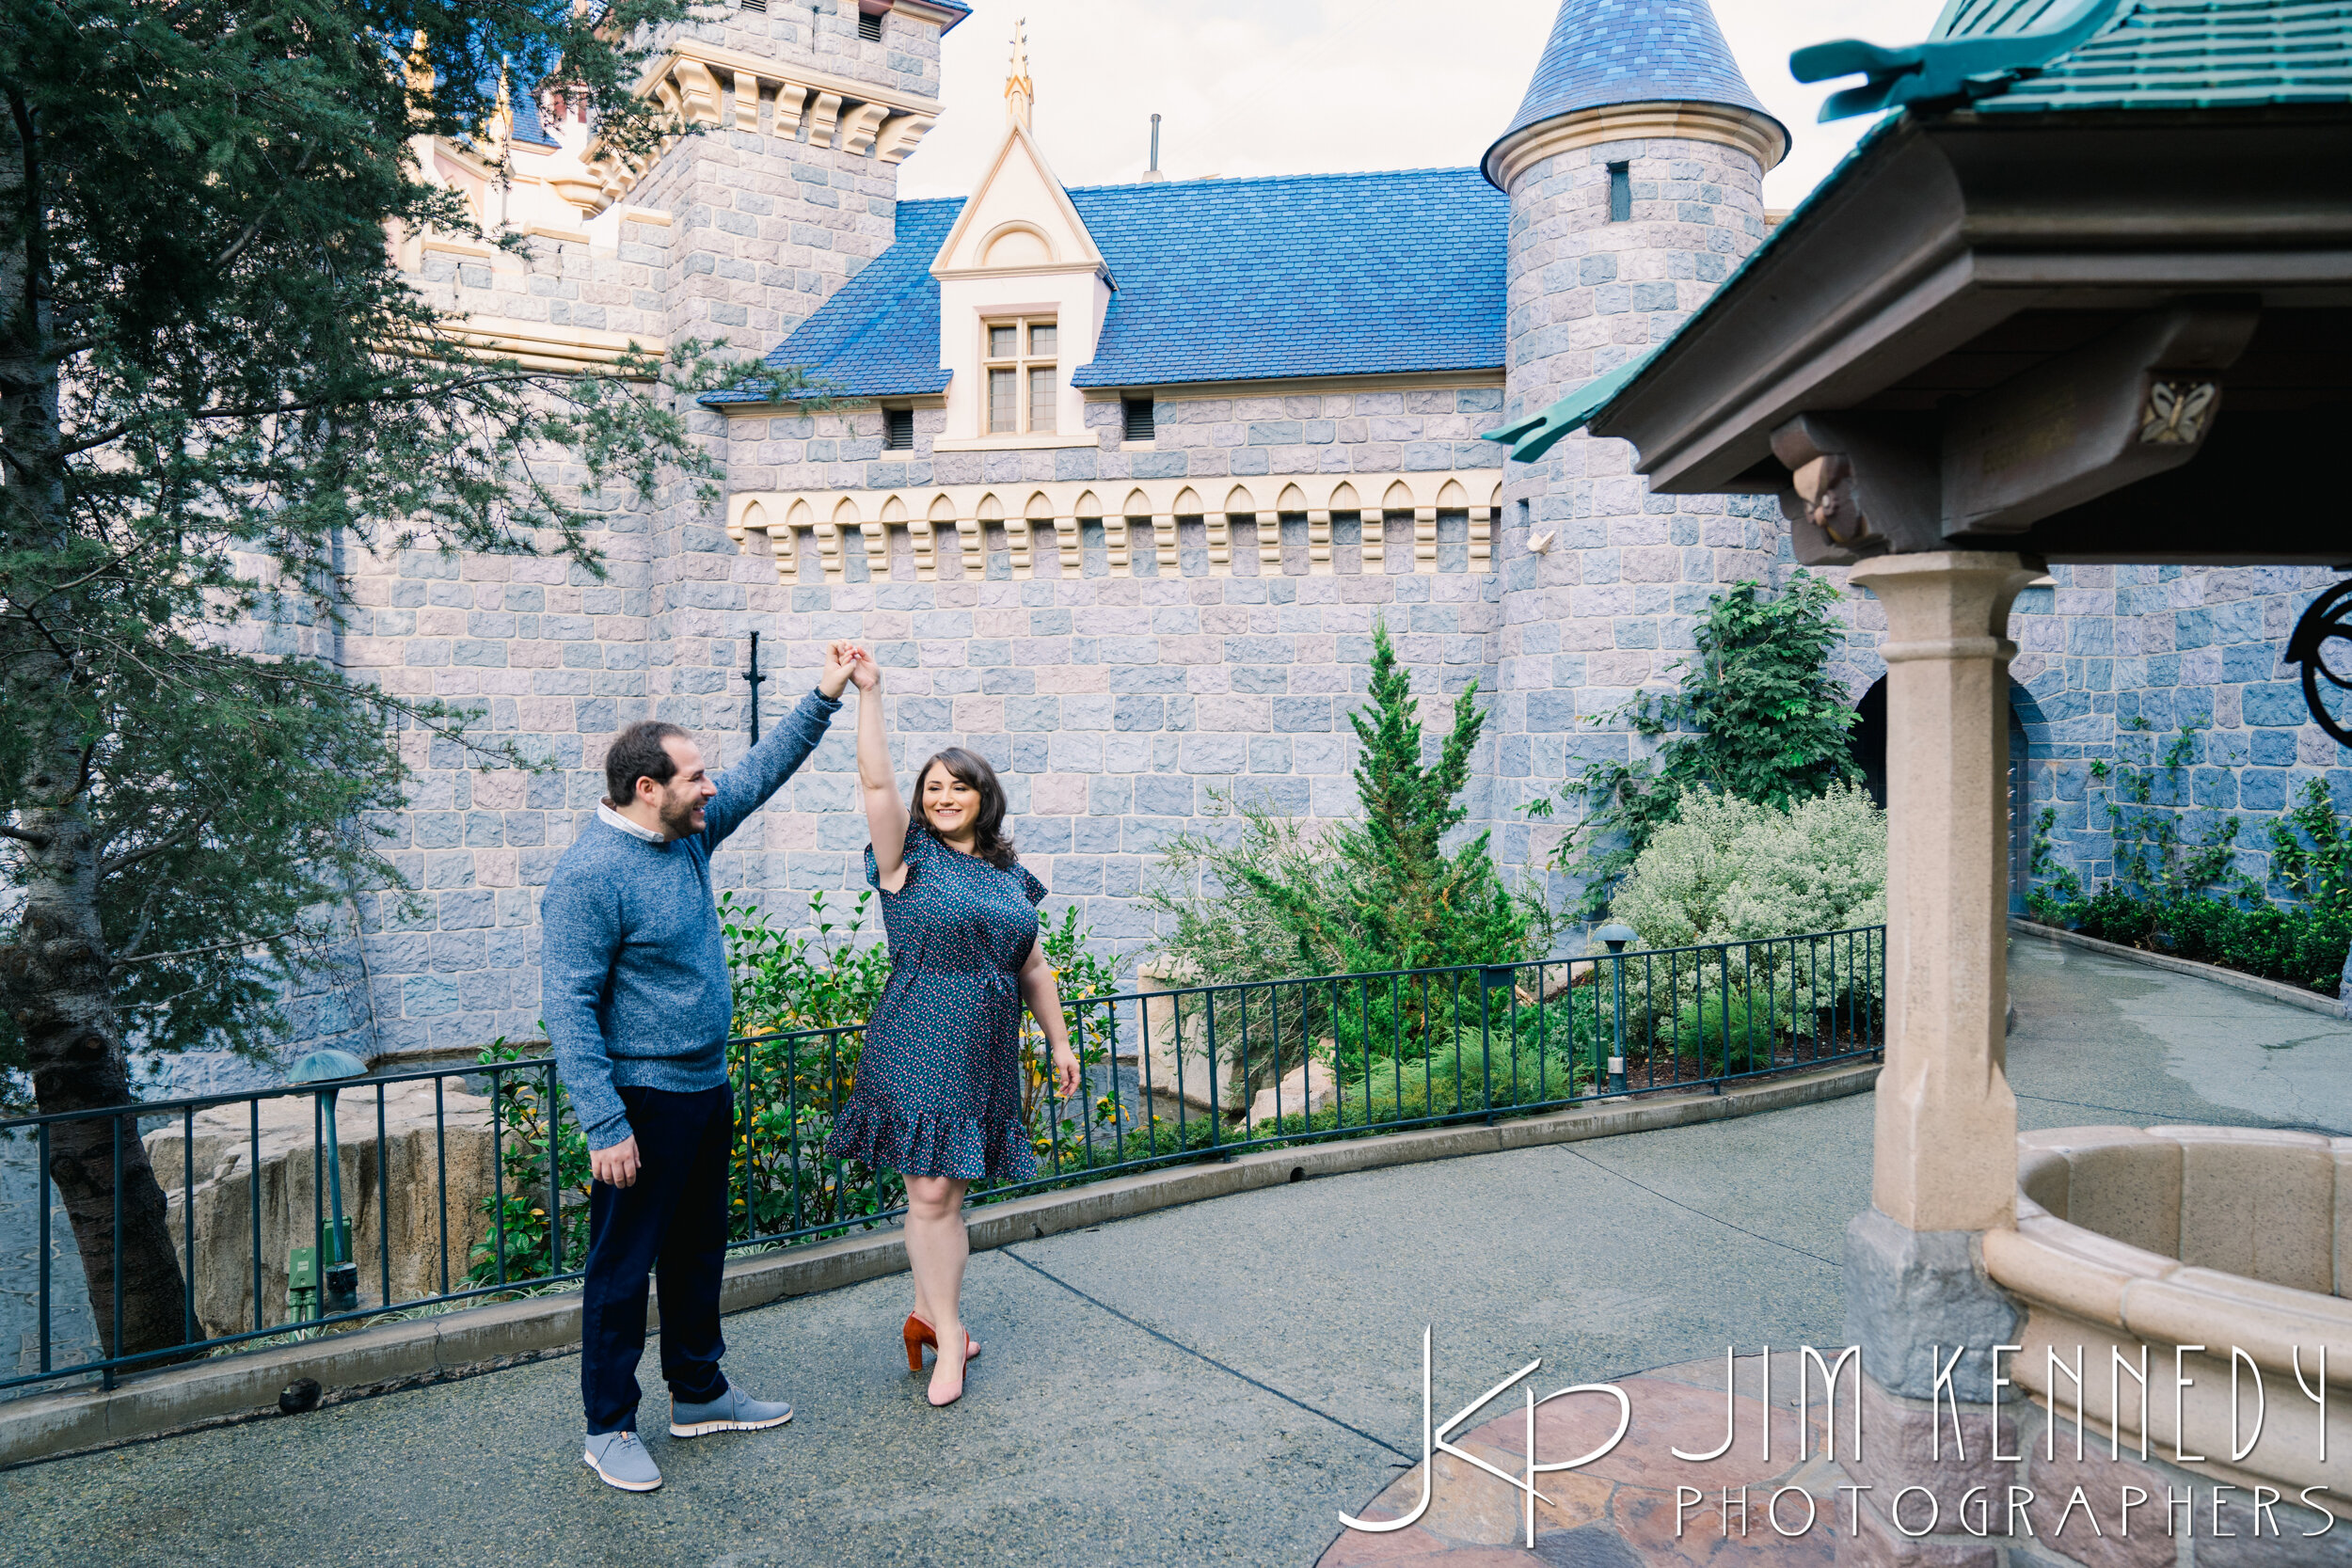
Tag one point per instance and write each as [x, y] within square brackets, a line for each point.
[938, 1089]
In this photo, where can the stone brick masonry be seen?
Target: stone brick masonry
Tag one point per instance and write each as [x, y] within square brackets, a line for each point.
[1122, 704]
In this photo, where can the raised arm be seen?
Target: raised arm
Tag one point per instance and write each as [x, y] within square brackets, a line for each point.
[877, 784]
[743, 789]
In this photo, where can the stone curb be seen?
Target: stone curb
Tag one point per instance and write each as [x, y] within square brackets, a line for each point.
[2276, 991]
[427, 1350]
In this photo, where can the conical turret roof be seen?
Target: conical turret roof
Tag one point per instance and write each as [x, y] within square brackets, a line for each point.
[1605, 52]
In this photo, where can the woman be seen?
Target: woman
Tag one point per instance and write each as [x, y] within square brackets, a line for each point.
[938, 1092]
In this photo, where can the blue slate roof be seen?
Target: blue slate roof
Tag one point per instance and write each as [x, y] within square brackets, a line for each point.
[878, 335]
[1216, 281]
[958, 6]
[1633, 52]
[528, 126]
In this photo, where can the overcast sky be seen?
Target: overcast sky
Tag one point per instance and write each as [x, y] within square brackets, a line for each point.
[1302, 87]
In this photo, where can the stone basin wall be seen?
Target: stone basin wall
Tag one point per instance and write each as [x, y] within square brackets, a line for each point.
[2230, 1246]
[411, 1196]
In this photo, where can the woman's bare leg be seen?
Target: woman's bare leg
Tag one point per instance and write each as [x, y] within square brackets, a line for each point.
[936, 1249]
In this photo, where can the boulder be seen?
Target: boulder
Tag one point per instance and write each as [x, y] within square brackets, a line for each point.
[289, 1161]
[1305, 1090]
[1172, 1058]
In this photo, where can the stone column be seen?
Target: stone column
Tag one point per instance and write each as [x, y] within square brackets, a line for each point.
[1944, 1147]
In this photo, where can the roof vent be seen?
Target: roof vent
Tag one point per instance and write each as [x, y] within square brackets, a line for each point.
[870, 26]
[1153, 174]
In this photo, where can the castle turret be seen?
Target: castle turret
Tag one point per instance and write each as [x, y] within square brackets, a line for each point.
[1635, 170]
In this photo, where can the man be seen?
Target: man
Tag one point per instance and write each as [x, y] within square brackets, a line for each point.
[638, 1008]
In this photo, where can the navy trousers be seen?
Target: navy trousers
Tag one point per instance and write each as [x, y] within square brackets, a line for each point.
[672, 1222]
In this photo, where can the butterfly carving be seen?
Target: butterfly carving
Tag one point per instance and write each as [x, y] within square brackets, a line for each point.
[2176, 413]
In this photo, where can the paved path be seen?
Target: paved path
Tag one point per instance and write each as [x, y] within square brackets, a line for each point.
[1208, 1385]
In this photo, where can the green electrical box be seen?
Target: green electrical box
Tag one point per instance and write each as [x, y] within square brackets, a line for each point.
[306, 1272]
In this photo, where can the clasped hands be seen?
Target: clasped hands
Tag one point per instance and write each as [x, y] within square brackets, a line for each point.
[847, 663]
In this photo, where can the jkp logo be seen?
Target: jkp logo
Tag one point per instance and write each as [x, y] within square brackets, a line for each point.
[1434, 1441]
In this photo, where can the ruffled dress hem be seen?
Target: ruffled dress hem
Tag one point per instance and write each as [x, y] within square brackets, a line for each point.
[968, 1149]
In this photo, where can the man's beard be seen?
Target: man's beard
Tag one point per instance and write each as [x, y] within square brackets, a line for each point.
[679, 820]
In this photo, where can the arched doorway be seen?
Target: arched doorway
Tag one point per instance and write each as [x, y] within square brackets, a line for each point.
[1869, 739]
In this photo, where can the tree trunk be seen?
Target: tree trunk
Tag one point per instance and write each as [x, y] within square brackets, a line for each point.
[74, 1045]
[56, 977]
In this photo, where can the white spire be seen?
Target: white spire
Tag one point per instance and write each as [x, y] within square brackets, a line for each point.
[1020, 93]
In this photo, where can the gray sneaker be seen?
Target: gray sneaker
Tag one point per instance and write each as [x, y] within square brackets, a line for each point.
[620, 1460]
[733, 1411]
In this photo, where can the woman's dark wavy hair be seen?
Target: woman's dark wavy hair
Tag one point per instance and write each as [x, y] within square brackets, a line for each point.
[991, 842]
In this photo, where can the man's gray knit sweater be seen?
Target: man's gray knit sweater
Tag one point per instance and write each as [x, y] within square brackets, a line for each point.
[632, 971]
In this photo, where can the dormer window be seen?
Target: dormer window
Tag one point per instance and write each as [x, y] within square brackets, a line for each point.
[1024, 375]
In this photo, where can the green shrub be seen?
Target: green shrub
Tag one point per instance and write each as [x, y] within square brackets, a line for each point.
[1262, 898]
[1734, 870]
[2179, 892]
[1734, 1034]
[1759, 716]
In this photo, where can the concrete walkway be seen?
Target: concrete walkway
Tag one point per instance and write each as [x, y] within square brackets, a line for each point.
[1202, 1385]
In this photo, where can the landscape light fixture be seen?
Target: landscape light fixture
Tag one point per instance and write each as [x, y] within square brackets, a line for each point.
[324, 1279]
[1617, 937]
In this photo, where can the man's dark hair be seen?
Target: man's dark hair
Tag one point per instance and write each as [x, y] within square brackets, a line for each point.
[639, 751]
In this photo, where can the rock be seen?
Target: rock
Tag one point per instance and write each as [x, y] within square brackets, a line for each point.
[224, 1156]
[1305, 1090]
[1178, 1074]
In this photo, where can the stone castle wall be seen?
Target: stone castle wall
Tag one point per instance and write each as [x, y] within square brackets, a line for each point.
[2116, 661]
[733, 235]
[1124, 701]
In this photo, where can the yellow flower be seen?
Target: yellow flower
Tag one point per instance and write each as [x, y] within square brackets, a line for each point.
[539, 1212]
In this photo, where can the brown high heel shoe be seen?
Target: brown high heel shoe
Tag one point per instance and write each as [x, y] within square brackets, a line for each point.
[917, 1333]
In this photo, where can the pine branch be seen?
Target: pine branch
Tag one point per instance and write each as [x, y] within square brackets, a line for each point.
[198, 952]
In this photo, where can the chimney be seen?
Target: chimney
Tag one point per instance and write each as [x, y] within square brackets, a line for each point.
[1152, 175]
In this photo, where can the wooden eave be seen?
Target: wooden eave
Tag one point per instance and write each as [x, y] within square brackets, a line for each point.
[1955, 252]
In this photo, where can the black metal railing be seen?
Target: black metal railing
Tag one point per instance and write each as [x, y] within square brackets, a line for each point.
[471, 1181]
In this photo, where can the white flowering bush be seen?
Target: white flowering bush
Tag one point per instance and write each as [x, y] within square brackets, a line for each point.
[1729, 870]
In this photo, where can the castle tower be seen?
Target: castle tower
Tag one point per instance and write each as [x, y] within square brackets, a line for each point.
[734, 234]
[1635, 170]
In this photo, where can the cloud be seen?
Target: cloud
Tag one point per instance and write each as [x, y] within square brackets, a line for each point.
[1300, 86]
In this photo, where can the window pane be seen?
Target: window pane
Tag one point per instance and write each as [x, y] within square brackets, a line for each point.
[1042, 341]
[1042, 397]
[1002, 341]
[1003, 404]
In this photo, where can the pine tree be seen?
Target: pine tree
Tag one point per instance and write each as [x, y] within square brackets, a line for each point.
[1398, 898]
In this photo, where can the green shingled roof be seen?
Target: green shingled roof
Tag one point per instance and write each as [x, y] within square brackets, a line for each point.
[2173, 54]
